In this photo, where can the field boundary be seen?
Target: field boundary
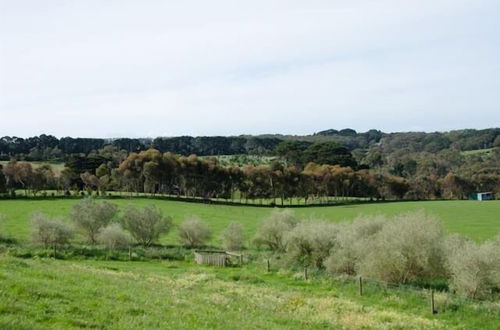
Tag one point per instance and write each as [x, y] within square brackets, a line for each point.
[200, 200]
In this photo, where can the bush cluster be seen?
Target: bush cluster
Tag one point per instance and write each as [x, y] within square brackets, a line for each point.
[50, 232]
[232, 237]
[194, 232]
[351, 244]
[146, 225]
[98, 222]
[474, 269]
[406, 249]
[273, 229]
[114, 236]
[90, 217]
[309, 243]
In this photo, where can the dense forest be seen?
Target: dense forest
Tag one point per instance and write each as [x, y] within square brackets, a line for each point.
[50, 148]
[413, 165]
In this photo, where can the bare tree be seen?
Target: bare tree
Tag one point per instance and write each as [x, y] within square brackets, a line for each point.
[18, 173]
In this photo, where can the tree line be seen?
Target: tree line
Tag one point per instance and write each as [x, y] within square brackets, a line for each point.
[49, 148]
[393, 166]
[154, 172]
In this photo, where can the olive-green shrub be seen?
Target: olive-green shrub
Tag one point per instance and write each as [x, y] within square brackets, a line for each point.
[147, 224]
[474, 268]
[271, 232]
[114, 236]
[232, 237]
[309, 243]
[194, 232]
[49, 232]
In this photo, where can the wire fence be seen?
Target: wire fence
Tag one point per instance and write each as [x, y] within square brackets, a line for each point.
[370, 286]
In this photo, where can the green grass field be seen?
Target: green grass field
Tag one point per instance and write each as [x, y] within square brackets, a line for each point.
[43, 293]
[477, 220]
[46, 293]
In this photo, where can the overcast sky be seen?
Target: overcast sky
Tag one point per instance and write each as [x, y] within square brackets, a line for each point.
[162, 68]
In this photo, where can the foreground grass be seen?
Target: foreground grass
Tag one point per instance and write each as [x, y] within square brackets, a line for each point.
[477, 220]
[40, 294]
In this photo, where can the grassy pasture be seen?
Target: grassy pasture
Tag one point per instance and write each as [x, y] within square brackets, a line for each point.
[54, 294]
[477, 220]
[43, 293]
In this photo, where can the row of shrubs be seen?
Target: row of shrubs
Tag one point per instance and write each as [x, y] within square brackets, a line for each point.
[99, 223]
[406, 249]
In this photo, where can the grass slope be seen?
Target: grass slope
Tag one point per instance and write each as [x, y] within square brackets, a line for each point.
[46, 294]
[478, 220]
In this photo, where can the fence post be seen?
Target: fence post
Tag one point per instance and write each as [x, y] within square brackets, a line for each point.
[433, 309]
[129, 253]
[241, 259]
[305, 273]
[360, 286]
[268, 266]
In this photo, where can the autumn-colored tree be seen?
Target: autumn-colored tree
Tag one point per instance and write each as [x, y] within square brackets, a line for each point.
[43, 178]
[454, 186]
[90, 181]
[18, 174]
